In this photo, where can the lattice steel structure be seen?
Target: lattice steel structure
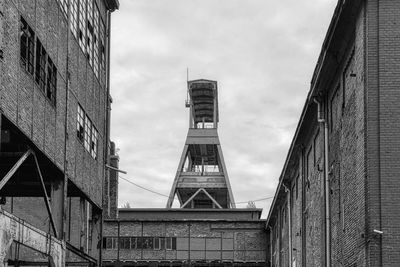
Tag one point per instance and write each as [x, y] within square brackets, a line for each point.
[202, 181]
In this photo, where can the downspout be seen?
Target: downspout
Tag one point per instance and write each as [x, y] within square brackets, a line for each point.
[271, 239]
[322, 119]
[289, 200]
[106, 173]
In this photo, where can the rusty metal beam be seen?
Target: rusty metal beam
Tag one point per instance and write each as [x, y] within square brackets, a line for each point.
[15, 168]
[46, 198]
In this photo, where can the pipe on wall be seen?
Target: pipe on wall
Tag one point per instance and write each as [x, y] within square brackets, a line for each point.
[322, 119]
[289, 203]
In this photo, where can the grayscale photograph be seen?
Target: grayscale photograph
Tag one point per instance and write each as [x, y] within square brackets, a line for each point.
[216, 133]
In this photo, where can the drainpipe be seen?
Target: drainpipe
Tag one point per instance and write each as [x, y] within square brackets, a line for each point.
[289, 200]
[322, 119]
[271, 239]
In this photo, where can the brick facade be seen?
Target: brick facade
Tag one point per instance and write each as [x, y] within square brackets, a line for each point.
[356, 80]
[45, 119]
[200, 237]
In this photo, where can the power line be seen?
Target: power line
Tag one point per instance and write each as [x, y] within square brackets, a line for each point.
[144, 188]
[163, 195]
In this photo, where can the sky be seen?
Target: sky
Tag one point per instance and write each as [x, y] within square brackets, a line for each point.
[261, 52]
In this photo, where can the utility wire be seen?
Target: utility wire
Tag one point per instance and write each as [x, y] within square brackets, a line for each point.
[163, 195]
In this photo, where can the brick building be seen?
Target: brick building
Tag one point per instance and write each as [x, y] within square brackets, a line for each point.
[54, 121]
[185, 237]
[338, 200]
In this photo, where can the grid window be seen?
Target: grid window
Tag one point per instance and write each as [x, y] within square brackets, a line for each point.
[51, 81]
[124, 243]
[93, 149]
[96, 16]
[88, 130]
[80, 124]
[82, 25]
[90, 31]
[74, 17]
[41, 59]
[102, 39]
[27, 39]
[64, 6]
[110, 243]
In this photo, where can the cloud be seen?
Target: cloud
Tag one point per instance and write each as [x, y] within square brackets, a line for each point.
[262, 53]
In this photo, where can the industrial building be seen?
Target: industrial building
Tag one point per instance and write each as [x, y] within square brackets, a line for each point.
[207, 229]
[54, 130]
[338, 200]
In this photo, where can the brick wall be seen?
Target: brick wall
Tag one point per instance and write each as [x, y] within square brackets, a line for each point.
[200, 240]
[27, 107]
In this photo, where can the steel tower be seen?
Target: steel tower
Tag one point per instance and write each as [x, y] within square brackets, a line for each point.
[202, 181]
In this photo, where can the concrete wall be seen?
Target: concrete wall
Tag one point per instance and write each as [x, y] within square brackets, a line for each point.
[196, 240]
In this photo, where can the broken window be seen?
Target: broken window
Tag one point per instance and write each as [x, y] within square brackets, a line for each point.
[90, 30]
[41, 58]
[51, 81]
[80, 123]
[88, 133]
[27, 38]
[93, 149]
[102, 57]
[82, 25]
[96, 16]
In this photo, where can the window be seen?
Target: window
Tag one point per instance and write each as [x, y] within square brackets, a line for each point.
[51, 81]
[27, 39]
[82, 25]
[88, 135]
[80, 123]
[124, 243]
[64, 7]
[157, 243]
[147, 243]
[170, 243]
[87, 132]
[96, 15]
[110, 242]
[89, 43]
[93, 148]
[41, 58]
[74, 17]
[45, 73]
[133, 243]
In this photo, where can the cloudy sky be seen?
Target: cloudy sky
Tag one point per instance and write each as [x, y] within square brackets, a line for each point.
[261, 52]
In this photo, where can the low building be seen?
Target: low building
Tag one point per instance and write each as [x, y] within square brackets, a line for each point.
[179, 237]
